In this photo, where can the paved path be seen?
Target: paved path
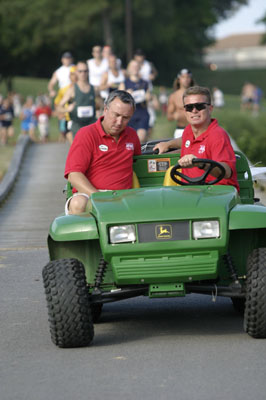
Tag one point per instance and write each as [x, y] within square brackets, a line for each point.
[36, 198]
[188, 348]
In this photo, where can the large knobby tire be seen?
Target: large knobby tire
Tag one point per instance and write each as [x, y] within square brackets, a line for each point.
[68, 303]
[255, 309]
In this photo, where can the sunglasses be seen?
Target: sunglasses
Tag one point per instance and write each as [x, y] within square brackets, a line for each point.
[82, 70]
[198, 106]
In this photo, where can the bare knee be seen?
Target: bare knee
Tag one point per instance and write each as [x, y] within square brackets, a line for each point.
[78, 204]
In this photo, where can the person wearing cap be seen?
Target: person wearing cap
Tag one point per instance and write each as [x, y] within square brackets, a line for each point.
[202, 138]
[62, 75]
[175, 108]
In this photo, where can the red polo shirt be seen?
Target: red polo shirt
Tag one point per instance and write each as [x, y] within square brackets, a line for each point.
[106, 163]
[214, 144]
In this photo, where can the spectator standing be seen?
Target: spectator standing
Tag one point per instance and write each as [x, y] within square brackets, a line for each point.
[218, 97]
[139, 89]
[81, 100]
[28, 120]
[6, 118]
[43, 113]
[248, 96]
[175, 108]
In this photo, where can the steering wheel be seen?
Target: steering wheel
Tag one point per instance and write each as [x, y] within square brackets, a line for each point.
[201, 180]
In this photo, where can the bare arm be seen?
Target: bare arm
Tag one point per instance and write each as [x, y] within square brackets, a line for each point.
[104, 82]
[186, 162]
[172, 113]
[163, 147]
[70, 93]
[51, 85]
[81, 183]
[122, 86]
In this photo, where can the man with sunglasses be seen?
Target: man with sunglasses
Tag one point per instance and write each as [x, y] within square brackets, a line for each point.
[81, 100]
[203, 138]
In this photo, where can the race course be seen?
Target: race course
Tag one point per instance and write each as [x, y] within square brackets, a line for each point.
[188, 348]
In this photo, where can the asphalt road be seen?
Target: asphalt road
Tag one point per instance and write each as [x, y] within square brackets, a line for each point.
[188, 348]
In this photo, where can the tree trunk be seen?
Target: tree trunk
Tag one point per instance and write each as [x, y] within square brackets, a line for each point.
[128, 26]
[107, 28]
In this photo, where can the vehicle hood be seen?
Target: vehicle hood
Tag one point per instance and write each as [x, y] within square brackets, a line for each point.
[163, 203]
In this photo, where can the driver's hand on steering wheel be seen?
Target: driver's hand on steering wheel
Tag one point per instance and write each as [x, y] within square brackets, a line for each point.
[186, 161]
[163, 147]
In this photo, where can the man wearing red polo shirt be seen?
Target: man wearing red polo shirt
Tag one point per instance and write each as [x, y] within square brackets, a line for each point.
[101, 156]
[203, 138]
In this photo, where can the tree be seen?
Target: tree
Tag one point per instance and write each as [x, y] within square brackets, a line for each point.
[34, 34]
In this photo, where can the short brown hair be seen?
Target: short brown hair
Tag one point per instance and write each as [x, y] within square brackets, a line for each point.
[198, 90]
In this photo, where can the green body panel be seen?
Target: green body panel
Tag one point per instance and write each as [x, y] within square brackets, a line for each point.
[164, 265]
[86, 251]
[247, 217]
[164, 261]
[150, 169]
[74, 227]
[167, 290]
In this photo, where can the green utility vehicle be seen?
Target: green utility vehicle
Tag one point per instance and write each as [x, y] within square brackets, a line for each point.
[160, 240]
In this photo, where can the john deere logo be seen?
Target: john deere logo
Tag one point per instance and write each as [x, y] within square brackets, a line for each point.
[163, 232]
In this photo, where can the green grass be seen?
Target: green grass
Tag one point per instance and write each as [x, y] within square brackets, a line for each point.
[27, 86]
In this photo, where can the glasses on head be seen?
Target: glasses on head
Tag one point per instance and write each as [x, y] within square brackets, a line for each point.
[82, 70]
[198, 106]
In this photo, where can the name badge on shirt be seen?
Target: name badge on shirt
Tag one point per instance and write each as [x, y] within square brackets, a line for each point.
[85, 111]
[103, 147]
[139, 95]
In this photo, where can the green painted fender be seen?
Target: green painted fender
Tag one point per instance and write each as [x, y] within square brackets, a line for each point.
[74, 227]
[247, 216]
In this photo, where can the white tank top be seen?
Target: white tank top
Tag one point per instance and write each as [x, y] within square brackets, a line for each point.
[145, 70]
[63, 76]
[115, 79]
[96, 71]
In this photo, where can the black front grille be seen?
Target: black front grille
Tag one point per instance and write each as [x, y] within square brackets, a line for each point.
[165, 231]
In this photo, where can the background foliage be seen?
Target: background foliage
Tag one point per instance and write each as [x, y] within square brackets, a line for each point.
[33, 34]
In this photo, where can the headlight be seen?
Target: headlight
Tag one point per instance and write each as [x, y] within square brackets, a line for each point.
[205, 229]
[122, 234]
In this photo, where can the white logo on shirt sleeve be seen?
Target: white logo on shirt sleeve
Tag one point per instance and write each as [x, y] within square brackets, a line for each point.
[187, 144]
[103, 147]
[129, 146]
